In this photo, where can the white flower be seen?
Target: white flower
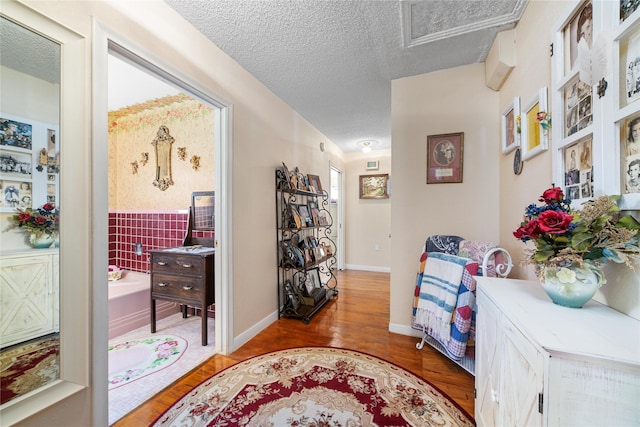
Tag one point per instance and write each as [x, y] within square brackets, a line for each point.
[566, 275]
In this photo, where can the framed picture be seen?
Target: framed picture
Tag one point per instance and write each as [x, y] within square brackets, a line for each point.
[312, 279]
[14, 164]
[510, 126]
[536, 123]
[305, 216]
[632, 68]
[578, 164]
[578, 35]
[444, 158]
[577, 106]
[627, 7]
[374, 186]
[314, 182]
[16, 134]
[15, 194]
[372, 165]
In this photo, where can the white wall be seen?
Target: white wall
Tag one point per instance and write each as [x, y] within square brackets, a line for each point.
[448, 101]
[367, 221]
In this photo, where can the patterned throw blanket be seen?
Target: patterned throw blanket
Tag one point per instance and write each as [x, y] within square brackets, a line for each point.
[444, 300]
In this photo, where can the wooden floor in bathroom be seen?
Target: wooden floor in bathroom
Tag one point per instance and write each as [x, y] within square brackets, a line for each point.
[357, 319]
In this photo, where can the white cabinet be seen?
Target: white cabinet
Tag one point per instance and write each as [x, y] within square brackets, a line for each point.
[28, 295]
[539, 364]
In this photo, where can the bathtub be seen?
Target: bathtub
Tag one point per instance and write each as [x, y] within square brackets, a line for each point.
[129, 304]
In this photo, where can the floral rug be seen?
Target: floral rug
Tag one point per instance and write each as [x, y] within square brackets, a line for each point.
[133, 359]
[26, 367]
[314, 386]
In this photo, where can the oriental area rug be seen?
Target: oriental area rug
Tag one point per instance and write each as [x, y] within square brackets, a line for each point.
[28, 366]
[314, 386]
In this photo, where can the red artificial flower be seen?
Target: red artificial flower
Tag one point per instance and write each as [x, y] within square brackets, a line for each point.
[39, 220]
[528, 230]
[552, 195]
[24, 216]
[48, 207]
[553, 222]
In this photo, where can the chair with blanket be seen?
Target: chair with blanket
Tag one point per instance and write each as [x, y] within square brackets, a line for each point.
[444, 297]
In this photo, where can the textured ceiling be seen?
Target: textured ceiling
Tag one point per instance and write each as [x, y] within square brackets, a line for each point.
[330, 60]
[23, 50]
[333, 60]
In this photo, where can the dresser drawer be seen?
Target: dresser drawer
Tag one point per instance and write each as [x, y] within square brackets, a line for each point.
[177, 287]
[177, 264]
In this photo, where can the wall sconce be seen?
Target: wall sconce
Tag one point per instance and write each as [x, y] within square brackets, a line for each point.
[137, 248]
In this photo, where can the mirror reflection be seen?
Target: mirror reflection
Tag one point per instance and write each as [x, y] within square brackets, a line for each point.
[29, 212]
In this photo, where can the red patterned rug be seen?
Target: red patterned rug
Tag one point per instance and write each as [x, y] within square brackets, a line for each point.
[28, 366]
[314, 386]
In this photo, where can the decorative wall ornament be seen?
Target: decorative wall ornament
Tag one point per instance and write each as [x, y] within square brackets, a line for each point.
[182, 153]
[144, 158]
[162, 143]
[195, 162]
[134, 167]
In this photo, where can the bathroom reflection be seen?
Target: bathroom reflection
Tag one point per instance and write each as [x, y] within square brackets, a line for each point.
[29, 185]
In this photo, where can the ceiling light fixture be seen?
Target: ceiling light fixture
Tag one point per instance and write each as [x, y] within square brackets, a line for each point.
[366, 146]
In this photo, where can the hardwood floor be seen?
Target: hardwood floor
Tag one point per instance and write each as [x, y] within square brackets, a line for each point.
[357, 319]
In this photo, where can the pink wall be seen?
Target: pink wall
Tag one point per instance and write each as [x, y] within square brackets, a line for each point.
[154, 229]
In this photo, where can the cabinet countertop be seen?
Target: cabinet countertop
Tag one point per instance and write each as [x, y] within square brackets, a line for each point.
[594, 330]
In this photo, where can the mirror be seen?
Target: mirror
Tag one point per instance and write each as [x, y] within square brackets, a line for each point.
[29, 156]
[203, 207]
[162, 143]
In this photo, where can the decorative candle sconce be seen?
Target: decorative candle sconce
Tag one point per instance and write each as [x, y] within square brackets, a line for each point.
[162, 143]
[144, 158]
[134, 167]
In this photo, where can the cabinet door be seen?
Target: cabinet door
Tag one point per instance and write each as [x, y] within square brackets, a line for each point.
[522, 379]
[27, 295]
[488, 362]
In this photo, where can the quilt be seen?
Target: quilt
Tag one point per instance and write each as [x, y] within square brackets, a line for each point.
[455, 301]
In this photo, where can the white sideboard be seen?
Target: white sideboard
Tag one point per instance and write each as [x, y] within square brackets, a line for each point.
[29, 296]
[540, 364]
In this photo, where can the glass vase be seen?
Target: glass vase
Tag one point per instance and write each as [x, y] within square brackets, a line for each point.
[572, 285]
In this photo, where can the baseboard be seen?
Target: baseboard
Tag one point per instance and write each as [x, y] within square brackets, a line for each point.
[124, 324]
[368, 268]
[407, 330]
[247, 335]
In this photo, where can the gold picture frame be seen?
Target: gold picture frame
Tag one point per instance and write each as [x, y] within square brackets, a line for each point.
[374, 186]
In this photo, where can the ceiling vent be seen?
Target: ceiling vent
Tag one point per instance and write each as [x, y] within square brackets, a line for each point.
[501, 59]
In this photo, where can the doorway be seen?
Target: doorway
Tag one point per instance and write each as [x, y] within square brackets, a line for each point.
[106, 45]
[337, 212]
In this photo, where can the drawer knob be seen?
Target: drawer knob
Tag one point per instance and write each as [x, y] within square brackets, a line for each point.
[161, 263]
[187, 265]
[187, 288]
[163, 285]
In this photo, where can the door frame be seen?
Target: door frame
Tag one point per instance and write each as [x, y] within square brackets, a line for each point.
[105, 41]
[340, 211]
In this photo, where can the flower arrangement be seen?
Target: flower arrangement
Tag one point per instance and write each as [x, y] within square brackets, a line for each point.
[596, 233]
[42, 221]
[544, 119]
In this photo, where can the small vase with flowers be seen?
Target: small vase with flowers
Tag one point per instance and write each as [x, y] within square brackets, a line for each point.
[572, 245]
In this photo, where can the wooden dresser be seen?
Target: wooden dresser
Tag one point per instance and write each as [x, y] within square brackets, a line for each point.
[184, 276]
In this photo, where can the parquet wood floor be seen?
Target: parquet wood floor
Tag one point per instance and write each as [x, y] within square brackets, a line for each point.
[357, 319]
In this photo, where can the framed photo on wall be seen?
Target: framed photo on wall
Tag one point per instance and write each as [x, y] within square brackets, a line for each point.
[374, 186]
[510, 126]
[536, 123]
[444, 158]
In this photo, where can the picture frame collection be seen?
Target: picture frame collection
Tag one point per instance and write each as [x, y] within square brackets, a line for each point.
[29, 163]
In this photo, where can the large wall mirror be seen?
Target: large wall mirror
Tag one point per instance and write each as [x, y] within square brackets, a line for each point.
[29, 170]
[44, 332]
